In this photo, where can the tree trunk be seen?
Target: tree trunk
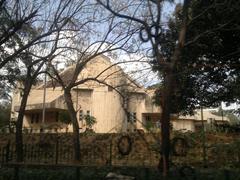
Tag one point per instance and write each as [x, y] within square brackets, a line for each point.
[168, 91]
[19, 124]
[165, 121]
[73, 116]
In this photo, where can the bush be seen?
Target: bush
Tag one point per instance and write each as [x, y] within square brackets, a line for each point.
[90, 121]
[64, 117]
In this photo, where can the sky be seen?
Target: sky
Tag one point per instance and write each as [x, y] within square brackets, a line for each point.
[146, 76]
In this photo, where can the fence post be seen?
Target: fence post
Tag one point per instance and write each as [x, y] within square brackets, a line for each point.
[2, 153]
[110, 153]
[56, 160]
[227, 174]
[7, 151]
[146, 173]
[16, 173]
[77, 173]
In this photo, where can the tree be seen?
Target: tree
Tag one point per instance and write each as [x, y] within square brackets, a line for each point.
[213, 40]
[38, 43]
[56, 30]
[5, 111]
[208, 72]
[86, 47]
[14, 20]
[148, 15]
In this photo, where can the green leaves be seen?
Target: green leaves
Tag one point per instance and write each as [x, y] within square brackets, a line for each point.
[64, 117]
[5, 110]
[209, 70]
[90, 121]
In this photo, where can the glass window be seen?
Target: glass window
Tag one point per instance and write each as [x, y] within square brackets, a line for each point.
[32, 118]
[57, 114]
[88, 112]
[148, 118]
[134, 117]
[80, 115]
[37, 118]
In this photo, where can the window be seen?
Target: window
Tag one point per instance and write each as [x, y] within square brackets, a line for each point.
[88, 113]
[128, 116]
[32, 118]
[131, 117]
[148, 118]
[57, 114]
[35, 118]
[80, 115]
[210, 120]
[134, 116]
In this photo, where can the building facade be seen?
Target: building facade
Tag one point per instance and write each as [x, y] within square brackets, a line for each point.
[120, 107]
[119, 104]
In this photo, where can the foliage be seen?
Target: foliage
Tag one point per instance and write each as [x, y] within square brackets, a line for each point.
[154, 86]
[234, 119]
[9, 72]
[226, 154]
[208, 72]
[149, 125]
[5, 111]
[90, 121]
[212, 52]
[64, 117]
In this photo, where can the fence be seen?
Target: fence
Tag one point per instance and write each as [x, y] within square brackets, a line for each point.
[53, 154]
[100, 154]
[93, 151]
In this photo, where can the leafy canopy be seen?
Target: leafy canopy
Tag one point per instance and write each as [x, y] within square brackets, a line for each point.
[209, 70]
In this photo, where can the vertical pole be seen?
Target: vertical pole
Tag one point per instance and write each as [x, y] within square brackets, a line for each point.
[56, 160]
[16, 173]
[222, 113]
[146, 173]
[7, 151]
[2, 154]
[44, 97]
[77, 173]
[110, 155]
[77, 113]
[227, 174]
[203, 139]
[77, 99]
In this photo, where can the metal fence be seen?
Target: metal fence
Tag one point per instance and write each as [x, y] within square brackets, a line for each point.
[57, 153]
[103, 154]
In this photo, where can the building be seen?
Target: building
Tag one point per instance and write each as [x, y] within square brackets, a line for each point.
[113, 113]
[128, 109]
[194, 122]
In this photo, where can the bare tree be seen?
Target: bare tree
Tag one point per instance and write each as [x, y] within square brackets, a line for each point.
[52, 25]
[148, 15]
[15, 17]
[97, 41]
